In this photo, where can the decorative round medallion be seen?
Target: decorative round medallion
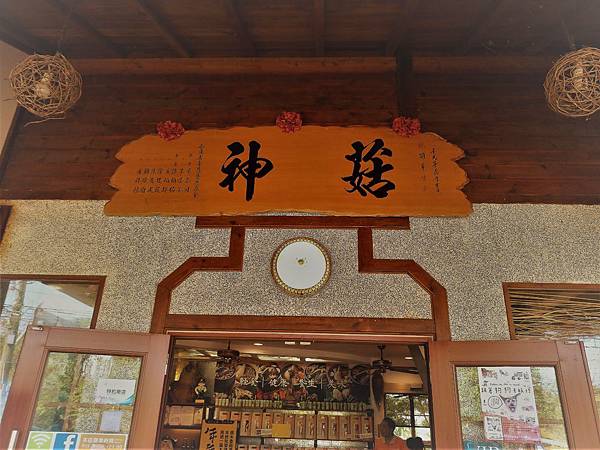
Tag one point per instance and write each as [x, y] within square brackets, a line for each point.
[301, 266]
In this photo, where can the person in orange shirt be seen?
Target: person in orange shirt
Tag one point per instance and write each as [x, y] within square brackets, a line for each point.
[387, 440]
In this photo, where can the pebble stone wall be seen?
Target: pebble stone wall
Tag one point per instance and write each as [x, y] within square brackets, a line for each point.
[470, 256]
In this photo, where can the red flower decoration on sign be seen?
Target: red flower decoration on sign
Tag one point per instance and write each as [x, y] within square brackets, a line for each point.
[406, 126]
[169, 130]
[289, 122]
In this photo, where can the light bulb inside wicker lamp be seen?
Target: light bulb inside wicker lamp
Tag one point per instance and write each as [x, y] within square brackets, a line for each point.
[572, 85]
[46, 85]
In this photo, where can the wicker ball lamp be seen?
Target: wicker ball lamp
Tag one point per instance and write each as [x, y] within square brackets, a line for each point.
[573, 83]
[46, 85]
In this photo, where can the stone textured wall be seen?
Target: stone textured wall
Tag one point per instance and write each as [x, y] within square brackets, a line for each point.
[470, 256]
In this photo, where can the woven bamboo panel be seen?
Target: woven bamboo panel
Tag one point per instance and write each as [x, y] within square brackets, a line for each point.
[545, 313]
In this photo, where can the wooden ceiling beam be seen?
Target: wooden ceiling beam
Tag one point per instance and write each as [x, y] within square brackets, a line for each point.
[400, 35]
[319, 26]
[164, 29]
[16, 37]
[239, 27]
[528, 65]
[558, 39]
[484, 20]
[68, 14]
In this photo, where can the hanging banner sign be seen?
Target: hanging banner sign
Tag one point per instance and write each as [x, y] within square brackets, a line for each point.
[508, 404]
[355, 171]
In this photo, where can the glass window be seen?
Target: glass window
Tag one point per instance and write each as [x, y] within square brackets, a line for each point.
[85, 399]
[510, 408]
[538, 311]
[411, 414]
[39, 302]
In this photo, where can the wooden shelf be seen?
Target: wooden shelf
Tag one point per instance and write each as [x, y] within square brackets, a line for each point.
[182, 427]
[198, 405]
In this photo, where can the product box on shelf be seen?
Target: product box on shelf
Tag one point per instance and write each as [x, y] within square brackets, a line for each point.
[187, 416]
[223, 414]
[345, 430]
[300, 426]
[198, 416]
[367, 425]
[256, 423]
[356, 426]
[245, 423]
[267, 420]
[322, 430]
[333, 423]
[311, 426]
[175, 415]
[290, 419]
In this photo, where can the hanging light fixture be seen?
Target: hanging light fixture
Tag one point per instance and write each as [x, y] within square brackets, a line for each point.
[46, 85]
[572, 85]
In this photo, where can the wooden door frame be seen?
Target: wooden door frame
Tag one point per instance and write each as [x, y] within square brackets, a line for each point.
[567, 358]
[438, 326]
[40, 341]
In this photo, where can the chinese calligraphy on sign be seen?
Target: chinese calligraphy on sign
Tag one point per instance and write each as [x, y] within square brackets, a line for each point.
[218, 436]
[372, 173]
[251, 169]
[358, 171]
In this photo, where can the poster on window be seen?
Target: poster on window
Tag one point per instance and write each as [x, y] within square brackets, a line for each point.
[115, 391]
[508, 404]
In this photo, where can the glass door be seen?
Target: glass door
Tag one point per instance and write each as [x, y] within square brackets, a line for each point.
[512, 395]
[85, 389]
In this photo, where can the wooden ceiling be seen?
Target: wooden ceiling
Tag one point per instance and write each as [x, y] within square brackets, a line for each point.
[478, 67]
[210, 28]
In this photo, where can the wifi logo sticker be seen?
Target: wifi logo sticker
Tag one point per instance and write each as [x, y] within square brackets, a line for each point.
[39, 440]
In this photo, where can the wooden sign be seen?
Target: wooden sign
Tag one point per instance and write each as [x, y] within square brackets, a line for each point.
[218, 436]
[354, 171]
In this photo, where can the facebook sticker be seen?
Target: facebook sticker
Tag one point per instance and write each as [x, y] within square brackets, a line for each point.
[65, 441]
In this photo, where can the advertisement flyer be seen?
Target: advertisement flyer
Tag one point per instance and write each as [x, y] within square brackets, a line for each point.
[115, 391]
[508, 404]
[48, 440]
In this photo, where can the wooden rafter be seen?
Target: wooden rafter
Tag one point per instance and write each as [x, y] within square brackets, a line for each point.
[400, 35]
[319, 26]
[175, 42]
[484, 20]
[16, 37]
[82, 23]
[562, 19]
[239, 27]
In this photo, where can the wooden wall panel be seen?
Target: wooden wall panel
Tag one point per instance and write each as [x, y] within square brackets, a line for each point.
[517, 150]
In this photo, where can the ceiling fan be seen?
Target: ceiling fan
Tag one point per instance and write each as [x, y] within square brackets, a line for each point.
[228, 355]
[378, 368]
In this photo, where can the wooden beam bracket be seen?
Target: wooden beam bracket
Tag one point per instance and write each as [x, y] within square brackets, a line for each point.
[438, 326]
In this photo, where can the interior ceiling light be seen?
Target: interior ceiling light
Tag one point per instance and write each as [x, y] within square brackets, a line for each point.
[305, 343]
[277, 358]
[258, 344]
[408, 357]
[290, 342]
[316, 360]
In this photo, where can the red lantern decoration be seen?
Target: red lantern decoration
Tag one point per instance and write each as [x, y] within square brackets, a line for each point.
[406, 126]
[169, 130]
[289, 122]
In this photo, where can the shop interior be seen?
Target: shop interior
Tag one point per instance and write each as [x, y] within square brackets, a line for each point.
[284, 394]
